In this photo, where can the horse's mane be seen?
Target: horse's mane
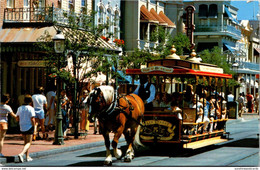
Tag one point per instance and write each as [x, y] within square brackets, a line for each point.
[108, 92]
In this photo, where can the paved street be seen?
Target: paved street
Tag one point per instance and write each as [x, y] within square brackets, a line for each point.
[241, 150]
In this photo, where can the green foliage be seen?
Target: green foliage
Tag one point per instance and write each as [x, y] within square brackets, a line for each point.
[217, 58]
[83, 44]
[180, 41]
[136, 58]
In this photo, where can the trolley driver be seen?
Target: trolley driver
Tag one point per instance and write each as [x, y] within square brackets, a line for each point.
[146, 91]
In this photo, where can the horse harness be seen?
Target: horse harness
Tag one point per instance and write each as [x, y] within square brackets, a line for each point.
[115, 108]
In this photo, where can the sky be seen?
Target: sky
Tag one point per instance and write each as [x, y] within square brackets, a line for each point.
[246, 10]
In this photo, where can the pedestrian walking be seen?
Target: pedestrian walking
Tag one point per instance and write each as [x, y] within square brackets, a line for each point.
[84, 122]
[257, 103]
[26, 117]
[64, 110]
[250, 100]
[4, 111]
[39, 104]
[241, 105]
[50, 116]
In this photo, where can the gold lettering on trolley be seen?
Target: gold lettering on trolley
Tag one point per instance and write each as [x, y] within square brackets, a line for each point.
[211, 69]
[157, 68]
[170, 129]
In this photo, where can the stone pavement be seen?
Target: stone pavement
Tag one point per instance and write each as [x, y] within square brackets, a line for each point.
[13, 143]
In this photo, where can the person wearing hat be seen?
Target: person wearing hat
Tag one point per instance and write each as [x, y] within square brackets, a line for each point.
[146, 91]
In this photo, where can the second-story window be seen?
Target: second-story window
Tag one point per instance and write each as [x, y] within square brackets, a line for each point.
[71, 5]
[213, 11]
[109, 21]
[116, 25]
[10, 3]
[203, 11]
[83, 6]
[100, 15]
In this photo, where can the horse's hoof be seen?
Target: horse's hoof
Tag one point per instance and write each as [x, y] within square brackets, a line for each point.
[108, 163]
[127, 159]
[118, 154]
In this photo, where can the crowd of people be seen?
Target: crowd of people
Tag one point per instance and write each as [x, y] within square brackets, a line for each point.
[36, 113]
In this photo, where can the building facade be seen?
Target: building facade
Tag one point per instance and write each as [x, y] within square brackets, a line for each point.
[143, 17]
[216, 24]
[22, 23]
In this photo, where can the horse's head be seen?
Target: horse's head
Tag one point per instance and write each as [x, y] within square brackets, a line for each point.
[99, 100]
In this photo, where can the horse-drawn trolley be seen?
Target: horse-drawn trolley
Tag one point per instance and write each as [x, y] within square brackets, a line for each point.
[194, 88]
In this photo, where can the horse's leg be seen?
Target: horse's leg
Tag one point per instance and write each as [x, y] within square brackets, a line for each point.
[117, 152]
[108, 160]
[129, 136]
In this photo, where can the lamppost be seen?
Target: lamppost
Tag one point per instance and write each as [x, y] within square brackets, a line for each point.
[59, 41]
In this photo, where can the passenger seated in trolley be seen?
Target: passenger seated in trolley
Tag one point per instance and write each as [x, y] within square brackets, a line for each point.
[175, 109]
[188, 95]
[222, 108]
[166, 100]
[212, 112]
[157, 100]
[203, 114]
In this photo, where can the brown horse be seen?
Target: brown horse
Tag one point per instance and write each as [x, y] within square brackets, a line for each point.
[120, 115]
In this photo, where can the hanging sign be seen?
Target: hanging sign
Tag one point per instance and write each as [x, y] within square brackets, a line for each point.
[31, 63]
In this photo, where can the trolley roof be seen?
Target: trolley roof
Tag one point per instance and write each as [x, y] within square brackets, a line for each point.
[177, 67]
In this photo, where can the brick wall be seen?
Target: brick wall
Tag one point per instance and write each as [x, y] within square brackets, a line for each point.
[2, 7]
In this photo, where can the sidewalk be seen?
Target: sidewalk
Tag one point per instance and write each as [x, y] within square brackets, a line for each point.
[13, 143]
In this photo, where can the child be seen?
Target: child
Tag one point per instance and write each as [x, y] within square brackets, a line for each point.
[4, 111]
[26, 116]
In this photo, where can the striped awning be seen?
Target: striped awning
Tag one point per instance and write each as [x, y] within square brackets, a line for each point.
[14, 36]
[166, 19]
[146, 16]
[161, 21]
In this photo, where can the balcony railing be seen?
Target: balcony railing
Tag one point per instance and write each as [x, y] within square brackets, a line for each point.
[41, 15]
[230, 30]
[44, 14]
[248, 65]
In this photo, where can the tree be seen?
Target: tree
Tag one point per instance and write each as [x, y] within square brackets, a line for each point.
[84, 47]
[216, 57]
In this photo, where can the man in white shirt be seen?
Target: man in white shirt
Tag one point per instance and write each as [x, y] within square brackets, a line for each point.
[39, 103]
[230, 97]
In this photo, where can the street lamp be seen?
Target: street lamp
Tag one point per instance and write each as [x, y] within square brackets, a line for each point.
[59, 41]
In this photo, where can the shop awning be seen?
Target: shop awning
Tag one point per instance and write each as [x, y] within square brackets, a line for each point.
[146, 16]
[231, 49]
[31, 35]
[166, 19]
[161, 21]
[230, 16]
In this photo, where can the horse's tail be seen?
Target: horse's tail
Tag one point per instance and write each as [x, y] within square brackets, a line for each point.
[137, 141]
